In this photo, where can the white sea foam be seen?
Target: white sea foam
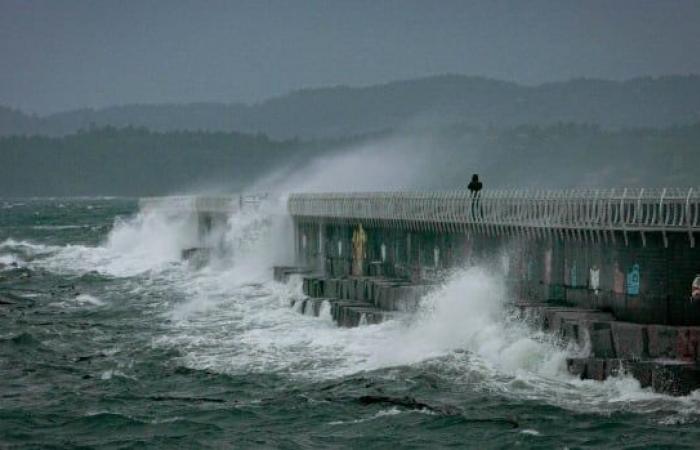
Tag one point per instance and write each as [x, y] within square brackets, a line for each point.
[8, 260]
[88, 299]
[148, 241]
[463, 330]
[235, 320]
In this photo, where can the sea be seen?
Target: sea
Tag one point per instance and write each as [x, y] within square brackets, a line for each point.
[110, 340]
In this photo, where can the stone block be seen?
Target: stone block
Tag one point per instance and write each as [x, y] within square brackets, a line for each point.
[338, 309]
[407, 298]
[601, 340]
[345, 289]
[306, 285]
[595, 369]
[576, 366]
[675, 379]
[569, 330]
[352, 285]
[629, 340]
[642, 371]
[663, 341]
[331, 288]
[688, 343]
[353, 316]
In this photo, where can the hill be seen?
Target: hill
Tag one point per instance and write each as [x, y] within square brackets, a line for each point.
[139, 162]
[427, 102]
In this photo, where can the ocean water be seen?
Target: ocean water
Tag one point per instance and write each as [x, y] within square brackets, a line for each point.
[109, 340]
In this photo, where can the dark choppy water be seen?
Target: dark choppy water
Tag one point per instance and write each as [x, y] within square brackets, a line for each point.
[108, 341]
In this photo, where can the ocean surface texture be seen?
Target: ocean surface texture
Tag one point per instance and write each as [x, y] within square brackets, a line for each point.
[109, 340]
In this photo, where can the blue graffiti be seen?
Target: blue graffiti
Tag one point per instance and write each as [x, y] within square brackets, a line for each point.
[633, 280]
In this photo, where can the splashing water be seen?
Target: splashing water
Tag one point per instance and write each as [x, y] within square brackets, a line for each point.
[228, 318]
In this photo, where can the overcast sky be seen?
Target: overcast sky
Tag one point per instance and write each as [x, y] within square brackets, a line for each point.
[57, 55]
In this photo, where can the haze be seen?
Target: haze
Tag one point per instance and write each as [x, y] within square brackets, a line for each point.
[72, 54]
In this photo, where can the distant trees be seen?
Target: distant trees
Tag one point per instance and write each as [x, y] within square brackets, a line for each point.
[345, 111]
[135, 161]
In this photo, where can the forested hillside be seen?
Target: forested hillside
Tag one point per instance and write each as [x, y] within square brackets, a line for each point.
[427, 102]
[138, 162]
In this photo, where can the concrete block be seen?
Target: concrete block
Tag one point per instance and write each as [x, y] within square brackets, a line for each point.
[595, 369]
[663, 341]
[688, 344]
[318, 287]
[361, 289]
[353, 316]
[345, 289]
[601, 340]
[675, 379]
[630, 340]
[381, 299]
[641, 370]
[576, 366]
[569, 330]
[305, 286]
[407, 298]
[331, 288]
[613, 367]
[338, 309]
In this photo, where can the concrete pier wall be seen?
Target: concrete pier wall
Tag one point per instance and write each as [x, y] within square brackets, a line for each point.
[638, 279]
[611, 271]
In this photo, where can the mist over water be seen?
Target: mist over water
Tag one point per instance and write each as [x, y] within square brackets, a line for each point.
[400, 162]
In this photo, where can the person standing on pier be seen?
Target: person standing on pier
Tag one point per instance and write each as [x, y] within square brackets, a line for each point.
[475, 187]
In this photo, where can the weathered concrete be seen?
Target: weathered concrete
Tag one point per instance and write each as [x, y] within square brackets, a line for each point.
[675, 378]
[612, 272]
[662, 357]
[640, 278]
[282, 274]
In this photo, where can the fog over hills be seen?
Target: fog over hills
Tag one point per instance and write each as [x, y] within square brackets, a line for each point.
[137, 162]
[427, 102]
[437, 130]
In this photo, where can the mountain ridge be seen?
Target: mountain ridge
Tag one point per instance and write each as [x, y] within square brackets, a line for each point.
[337, 111]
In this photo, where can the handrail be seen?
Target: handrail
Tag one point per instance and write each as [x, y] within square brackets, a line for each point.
[626, 210]
[221, 203]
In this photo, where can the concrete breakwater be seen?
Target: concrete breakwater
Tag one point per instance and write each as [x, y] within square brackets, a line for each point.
[610, 271]
[355, 301]
[662, 357]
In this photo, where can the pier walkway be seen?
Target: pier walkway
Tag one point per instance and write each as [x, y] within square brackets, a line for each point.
[511, 211]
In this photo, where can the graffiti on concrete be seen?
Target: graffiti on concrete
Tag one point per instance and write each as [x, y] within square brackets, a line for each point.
[633, 280]
[359, 253]
[618, 280]
[594, 279]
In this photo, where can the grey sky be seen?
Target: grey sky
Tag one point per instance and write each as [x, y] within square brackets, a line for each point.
[56, 55]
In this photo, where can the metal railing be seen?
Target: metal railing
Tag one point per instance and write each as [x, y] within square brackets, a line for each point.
[502, 211]
[215, 204]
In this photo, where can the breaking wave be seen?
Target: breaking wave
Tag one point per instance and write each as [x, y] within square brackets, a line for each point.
[229, 317]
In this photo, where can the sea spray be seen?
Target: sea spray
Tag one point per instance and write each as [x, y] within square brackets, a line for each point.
[470, 312]
[150, 240]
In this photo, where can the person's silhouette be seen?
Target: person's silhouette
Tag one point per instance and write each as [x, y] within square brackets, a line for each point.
[475, 187]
